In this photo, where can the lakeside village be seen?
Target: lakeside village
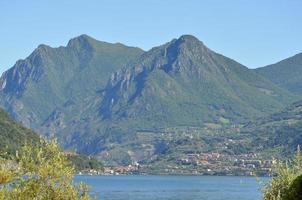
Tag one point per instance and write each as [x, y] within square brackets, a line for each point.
[196, 164]
[215, 162]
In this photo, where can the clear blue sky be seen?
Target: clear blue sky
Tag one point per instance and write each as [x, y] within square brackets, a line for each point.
[255, 33]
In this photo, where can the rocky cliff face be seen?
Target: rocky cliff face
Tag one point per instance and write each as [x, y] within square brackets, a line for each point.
[14, 80]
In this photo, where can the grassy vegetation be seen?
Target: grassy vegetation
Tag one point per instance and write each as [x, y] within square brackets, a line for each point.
[286, 73]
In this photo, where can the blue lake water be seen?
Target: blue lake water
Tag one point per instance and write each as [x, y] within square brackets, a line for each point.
[173, 187]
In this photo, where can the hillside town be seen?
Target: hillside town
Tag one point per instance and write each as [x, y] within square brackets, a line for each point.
[197, 164]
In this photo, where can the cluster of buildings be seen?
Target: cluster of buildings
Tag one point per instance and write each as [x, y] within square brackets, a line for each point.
[118, 170]
[199, 159]
[217, 163]
[90, 172]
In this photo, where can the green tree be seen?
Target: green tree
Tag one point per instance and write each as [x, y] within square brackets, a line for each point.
[40, 172]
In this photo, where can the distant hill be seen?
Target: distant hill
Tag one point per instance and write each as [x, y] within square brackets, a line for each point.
[286, 73]
[13, 135]
[280, 132]
[98, 97]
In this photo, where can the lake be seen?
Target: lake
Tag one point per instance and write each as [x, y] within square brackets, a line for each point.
[173, 187]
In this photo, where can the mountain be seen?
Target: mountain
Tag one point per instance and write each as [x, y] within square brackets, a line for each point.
[181, 83]
[185, 83]
[13, 135]
[286, 73]
[280, 132]
[50, 79]
[109, 99]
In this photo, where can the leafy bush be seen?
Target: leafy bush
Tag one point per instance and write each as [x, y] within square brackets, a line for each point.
[295, 189]
[285, 181]
[39, 172]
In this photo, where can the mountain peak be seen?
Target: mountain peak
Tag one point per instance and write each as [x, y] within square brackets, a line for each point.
[42, 49]
[189, 38]
[81, 41]
[188, 43]
[187, 49]
[43, 46]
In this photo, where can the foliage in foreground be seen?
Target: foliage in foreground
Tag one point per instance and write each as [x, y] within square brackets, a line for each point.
[39, 172]
[285, 184]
